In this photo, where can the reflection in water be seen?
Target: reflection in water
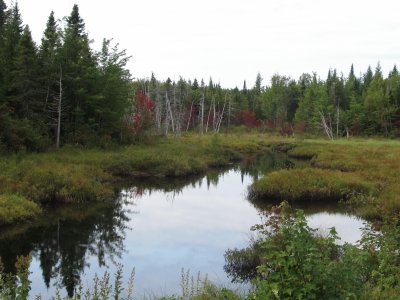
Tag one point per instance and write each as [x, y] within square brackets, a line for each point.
[156, 226]
[62, 241]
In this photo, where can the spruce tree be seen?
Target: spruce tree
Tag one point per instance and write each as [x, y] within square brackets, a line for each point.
[23, 89]
[3, 14]
[51, 74]
[80, 76]
[3, 17]
[367, 78]
[378, 108]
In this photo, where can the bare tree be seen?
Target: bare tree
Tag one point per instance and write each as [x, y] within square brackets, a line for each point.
[327, 126]
[56, 109]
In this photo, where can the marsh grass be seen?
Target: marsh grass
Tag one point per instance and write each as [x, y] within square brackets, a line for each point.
[15, 208]
[74, 174]
[308, 184]
[364, 170]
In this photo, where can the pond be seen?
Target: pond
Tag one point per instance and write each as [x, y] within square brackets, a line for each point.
[156, 227]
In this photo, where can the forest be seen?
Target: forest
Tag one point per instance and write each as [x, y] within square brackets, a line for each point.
[65, 92]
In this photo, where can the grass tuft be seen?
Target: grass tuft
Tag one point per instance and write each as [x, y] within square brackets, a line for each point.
[14, 208]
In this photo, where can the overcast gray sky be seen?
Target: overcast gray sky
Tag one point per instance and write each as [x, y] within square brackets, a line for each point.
[233, 40]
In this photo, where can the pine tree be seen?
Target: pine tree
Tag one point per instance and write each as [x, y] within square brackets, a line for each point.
[80, 75]
[51, 76]
[12, 30]
[3, 18]
[367, 78]
[355, 113]
[23, 89]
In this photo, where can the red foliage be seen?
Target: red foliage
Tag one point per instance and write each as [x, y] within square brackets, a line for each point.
[247, 118]
[144, 112]
[144, 103]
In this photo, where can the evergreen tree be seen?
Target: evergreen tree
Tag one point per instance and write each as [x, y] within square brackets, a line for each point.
[49, 58]
[355, 113]
[23, 90]
[3, 18]
[51, 76]
[80, 75]
[394, 72]
[276, 100]
[12, 30]
[195, 84]
[377, 106]
[115, 79]
[313, 104]
[367, 78]
[3, 14]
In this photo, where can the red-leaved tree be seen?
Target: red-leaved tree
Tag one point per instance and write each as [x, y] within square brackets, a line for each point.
[247, 118]
[144, 108]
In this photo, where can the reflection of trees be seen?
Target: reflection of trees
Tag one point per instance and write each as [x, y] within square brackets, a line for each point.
[71, 235]
[64, 239]
[255, 167]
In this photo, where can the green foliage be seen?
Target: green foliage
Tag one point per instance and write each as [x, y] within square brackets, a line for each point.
[297, 264]
[15, 209]
[313, 104]
[16, 288]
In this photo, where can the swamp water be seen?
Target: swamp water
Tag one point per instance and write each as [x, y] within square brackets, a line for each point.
[156, 227]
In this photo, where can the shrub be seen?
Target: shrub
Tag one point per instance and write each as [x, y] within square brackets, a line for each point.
[298, 264]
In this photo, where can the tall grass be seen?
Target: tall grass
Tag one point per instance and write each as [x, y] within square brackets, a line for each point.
[344, 168]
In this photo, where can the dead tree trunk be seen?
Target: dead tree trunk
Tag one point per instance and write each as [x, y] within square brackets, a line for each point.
[202, 114]
[190, 116]
[59, 110]
[221, 117]
[327, 127]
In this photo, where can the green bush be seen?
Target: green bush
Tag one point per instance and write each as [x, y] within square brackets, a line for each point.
[298, 264]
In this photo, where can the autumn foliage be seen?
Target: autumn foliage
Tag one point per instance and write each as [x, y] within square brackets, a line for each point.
[144, 108]
[247, 118]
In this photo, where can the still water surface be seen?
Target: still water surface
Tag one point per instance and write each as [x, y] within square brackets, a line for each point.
[157, 228]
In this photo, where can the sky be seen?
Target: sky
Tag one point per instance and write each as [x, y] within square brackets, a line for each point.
[233, 40]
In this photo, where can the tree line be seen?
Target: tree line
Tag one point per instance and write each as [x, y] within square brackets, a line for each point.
[63, 91]
[368, 104]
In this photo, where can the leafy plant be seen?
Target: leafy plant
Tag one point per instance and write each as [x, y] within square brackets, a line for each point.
[299, 264]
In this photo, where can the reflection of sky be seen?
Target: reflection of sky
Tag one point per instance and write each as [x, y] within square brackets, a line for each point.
[191, 230]
[347, 227]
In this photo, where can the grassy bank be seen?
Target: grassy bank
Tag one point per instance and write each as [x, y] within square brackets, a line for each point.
[79, 175]
[363, 171]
